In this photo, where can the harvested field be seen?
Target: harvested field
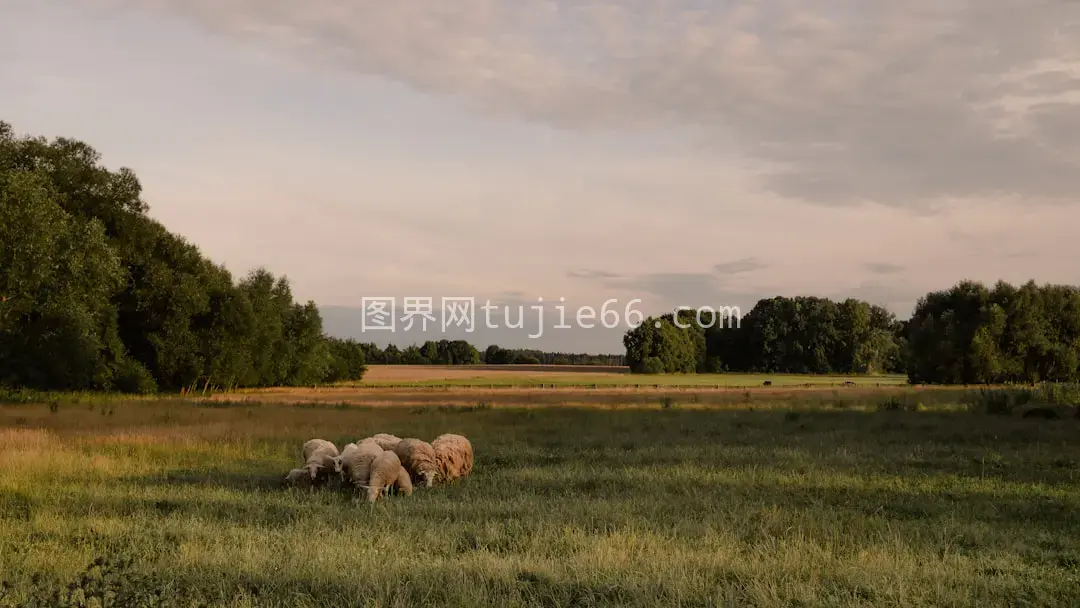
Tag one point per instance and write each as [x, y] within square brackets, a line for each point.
[394, 376]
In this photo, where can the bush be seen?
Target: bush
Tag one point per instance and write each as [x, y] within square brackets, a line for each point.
[652, 365]
[1059, 393]
[132, 377]
[900, 404]
[997, 402]
[892, 404]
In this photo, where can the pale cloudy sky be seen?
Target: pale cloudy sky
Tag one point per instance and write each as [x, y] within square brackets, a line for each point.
[685, 152]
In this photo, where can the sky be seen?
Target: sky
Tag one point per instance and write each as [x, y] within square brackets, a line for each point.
[678, 152]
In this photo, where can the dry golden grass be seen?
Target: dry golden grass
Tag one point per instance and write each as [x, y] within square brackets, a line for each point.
[397, 376]
[421, 373]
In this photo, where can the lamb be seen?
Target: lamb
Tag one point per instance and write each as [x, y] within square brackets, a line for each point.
[386, 473]
[298, 478]
[418, 458]
[386, 441]
[319, 458]
[454, 456]
[355, 467]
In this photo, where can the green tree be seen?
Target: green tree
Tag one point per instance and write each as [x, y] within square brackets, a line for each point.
[56, 275]
[96, 294]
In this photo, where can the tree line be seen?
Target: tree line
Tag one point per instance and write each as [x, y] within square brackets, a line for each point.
[799, 335]
[460, 352]
[96, 295]
[967, 334]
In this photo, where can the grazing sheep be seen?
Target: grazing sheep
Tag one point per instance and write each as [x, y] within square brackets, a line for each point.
[313, 445]
[298, 478]
[356, 465]
[454, 456]
[319, 458]
[404, 482]
[387, 472]
[386, 441]
[340, 458]
[418, 458]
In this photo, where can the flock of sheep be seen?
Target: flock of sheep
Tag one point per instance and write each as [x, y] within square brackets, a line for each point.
[383, 462]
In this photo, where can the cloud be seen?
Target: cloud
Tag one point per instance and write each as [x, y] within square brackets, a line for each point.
[592, 274]
[740, 266]
[660, 291]
[839, 101]
[883, 268]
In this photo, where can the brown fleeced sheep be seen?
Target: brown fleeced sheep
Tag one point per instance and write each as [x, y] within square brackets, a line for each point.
[387, 472]
[386, 441]
[356, 466]
[454, 456]
[418, 458]
[319, 458]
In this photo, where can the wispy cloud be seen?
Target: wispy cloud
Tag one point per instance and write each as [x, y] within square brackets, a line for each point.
[840, 101]
[740, 266]
[587, 273]
[883, 267]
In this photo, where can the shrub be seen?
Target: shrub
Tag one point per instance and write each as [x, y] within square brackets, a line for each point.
[997, 402]
[133, 377]
[652, 365]
[891, 404]
[903, 403]
[1059, 393]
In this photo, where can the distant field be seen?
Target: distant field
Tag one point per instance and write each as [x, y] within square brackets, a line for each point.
[582, 375]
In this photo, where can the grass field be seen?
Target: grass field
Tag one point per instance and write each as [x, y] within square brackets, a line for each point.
[784, 502]
[583, 375]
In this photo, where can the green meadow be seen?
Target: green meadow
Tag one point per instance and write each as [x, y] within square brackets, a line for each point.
[179, 502]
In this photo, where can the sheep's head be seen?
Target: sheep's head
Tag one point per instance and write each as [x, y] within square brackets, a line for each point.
[338, 464]
[428, 477]
[314, 468]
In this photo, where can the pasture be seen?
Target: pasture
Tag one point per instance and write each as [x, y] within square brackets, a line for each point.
[787, 501]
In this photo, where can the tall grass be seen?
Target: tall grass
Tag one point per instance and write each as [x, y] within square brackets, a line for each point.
[1004, 401]
[169, 502]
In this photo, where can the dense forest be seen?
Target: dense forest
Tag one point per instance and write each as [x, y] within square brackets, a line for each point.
[967, 334]
[96, 295]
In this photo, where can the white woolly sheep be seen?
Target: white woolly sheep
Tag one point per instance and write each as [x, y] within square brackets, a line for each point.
[454, 456]
[356, 465]
[319, 458]
[348, 449]
[386, 441]
[418, 458]
[387, 472]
